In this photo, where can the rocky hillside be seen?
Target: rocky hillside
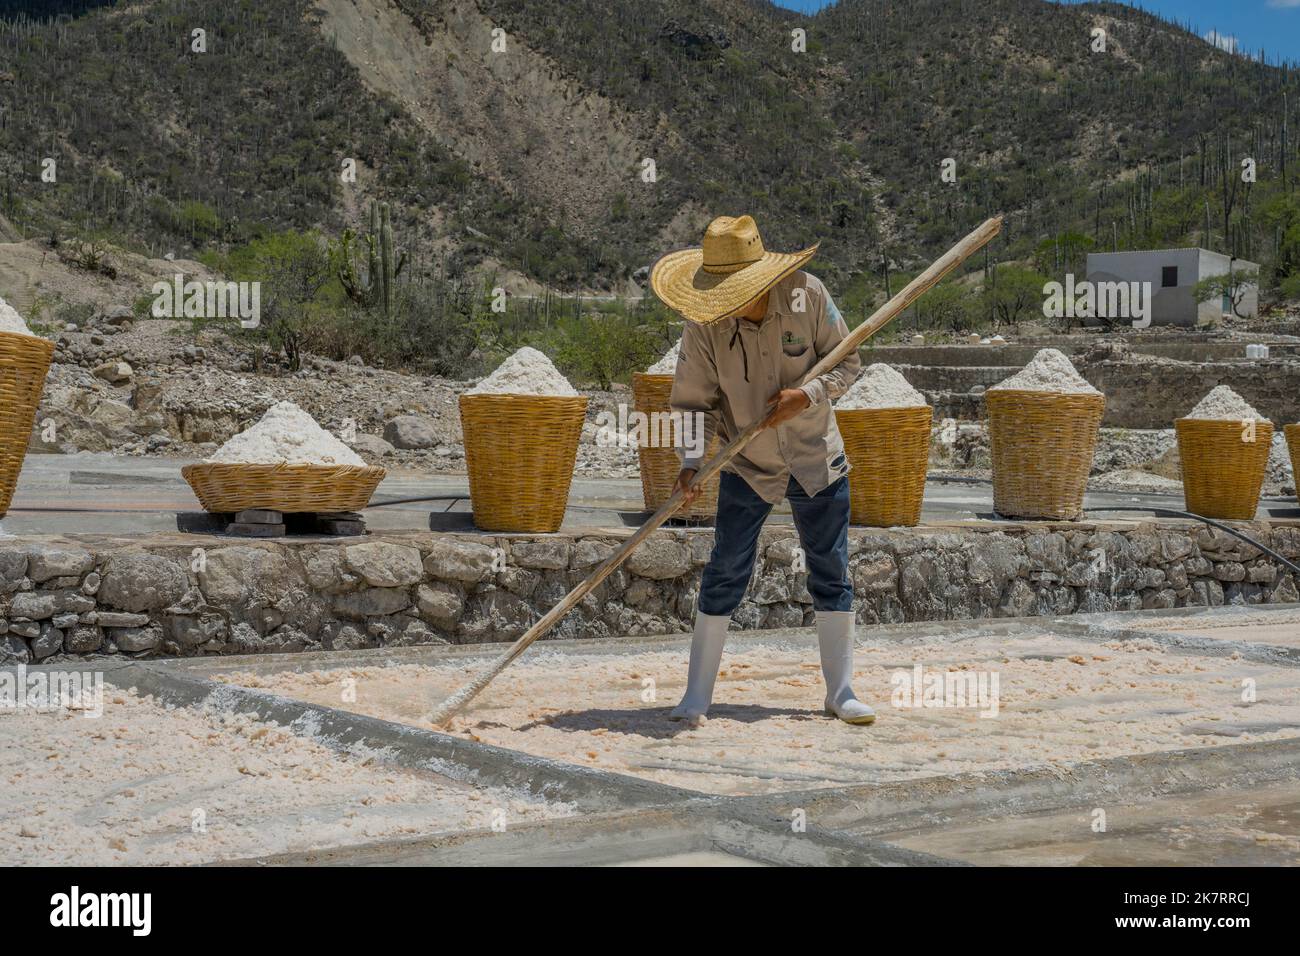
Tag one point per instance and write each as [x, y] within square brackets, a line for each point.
[533, 159]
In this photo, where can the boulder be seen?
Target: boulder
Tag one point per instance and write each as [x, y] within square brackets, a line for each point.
[120, 619]
[47, 561]
[328, 571]
[13, 650]
[550, 554]
[415, 632]
[115, 373]
[659, 558]
[49, 642]
[136, 581]
[1019, 599]
[134, 639]
[372, 602]
[589, 552]
[411, 432]
[439, 602]
[465, 561]
[244, 578]
[371, 445]
[878, 574]
[34, 605]
[385, 565]
[83, 640]
[341, 635]
[13, 569]
[193, 630]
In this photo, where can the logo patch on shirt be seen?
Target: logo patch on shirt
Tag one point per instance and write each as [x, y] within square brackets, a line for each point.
[789, 338]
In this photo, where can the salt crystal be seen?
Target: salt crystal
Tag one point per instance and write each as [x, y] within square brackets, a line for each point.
[668, 364]
[286, 435]
[527, 372]
[1222, 404]
[1048, 371]
[881, 386]
[11, 321]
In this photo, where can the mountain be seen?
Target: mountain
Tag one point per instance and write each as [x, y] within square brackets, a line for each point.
[534, 159]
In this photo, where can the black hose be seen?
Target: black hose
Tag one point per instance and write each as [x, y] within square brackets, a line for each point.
[408, 501]
[1211, 522]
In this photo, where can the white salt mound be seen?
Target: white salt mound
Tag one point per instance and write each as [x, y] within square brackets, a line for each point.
[1048, 371]
[286, 435]
[1222, 404]
[881, 386]
[527, 372]
[11, 321]
[668, 364]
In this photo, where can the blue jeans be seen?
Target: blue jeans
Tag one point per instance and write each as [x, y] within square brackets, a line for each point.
[823, 523]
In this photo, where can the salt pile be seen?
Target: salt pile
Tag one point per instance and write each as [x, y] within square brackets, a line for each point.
[286, 435]
[527, 372]
[881, 386]
[1048, 371]
[1222, 404]
[668, 364]
[11, 321]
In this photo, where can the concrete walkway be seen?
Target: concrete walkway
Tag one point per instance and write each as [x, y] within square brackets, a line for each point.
[101, 493]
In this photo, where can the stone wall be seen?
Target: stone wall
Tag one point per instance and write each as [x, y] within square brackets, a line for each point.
[1139, 394]
[1154, 394]
[190, 595]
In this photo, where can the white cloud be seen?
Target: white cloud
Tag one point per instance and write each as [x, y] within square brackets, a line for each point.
[1229, 43]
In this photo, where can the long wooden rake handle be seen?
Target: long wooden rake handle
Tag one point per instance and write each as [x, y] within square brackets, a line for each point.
[882, 317]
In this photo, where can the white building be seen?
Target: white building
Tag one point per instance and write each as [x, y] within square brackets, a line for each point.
[1173, 274]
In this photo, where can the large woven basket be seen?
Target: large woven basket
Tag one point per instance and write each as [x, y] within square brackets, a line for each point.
[1042, 445]
[889, 450]
[1222, 473]
[24, 360]
[660, 465]
[520, 451]
[230, 488]
[1292, 433]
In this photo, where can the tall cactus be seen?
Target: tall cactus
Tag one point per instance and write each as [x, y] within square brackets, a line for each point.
[378, 287]
[386, 272]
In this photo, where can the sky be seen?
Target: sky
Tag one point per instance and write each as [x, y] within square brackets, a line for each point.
[1273, 25]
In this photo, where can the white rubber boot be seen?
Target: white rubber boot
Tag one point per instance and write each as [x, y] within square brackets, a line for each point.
[835, 635]
[706, 656]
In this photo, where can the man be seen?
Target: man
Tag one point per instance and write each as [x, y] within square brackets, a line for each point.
[755, 326]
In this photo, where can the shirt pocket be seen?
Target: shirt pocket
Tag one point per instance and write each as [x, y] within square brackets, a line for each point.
[794, 367]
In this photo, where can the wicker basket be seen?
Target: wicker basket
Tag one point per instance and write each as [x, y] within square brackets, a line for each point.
[660, 465]
[1042, 445]
[1292, 433]
[1222, 475]
[230, 488]
[889, 450]
[520, 451]
[24, 360]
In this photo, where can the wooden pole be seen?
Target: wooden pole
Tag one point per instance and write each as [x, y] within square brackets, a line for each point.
[879, 319]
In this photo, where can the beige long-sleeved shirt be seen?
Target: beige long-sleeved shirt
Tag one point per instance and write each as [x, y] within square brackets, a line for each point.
[728, 370]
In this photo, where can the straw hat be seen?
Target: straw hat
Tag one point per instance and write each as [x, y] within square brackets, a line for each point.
[731, 271]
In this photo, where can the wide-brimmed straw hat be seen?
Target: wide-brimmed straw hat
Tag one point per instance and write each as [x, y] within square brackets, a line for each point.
[728, 273]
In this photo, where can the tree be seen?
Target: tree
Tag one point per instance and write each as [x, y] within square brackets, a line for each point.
[1232, 285]
[293, 268]
[1016, 294]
